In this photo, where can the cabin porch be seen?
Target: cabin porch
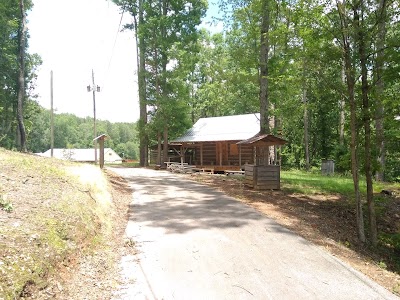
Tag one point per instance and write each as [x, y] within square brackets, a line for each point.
[217, 156]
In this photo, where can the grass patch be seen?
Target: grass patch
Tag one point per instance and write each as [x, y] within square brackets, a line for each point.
[389, 243]
[314, 183]
[386, 207]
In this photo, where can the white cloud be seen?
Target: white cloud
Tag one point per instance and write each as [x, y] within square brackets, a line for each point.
[74, 36]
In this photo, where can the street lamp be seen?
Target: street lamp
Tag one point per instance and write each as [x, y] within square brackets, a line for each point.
[94, 88]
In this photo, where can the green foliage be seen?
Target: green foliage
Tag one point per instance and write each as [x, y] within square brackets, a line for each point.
[167, 40]
[9, 28]
[392, 241]
[71, 131]
[218, 74]
[5, 204]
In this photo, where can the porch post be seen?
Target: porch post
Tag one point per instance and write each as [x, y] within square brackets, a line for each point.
[220, 154]
[201, 154]
[101, 142]
[182, 154]
[240, 156]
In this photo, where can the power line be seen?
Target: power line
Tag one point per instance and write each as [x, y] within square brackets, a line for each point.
[113, 49]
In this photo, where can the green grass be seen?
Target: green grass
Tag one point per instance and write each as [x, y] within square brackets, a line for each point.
[315, 183]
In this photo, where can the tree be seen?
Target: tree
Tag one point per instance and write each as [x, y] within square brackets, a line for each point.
[264, 52]
[346, 40]
[137, 9]
[380, 88]
[360, 40]
[141, 45]
[21, 77]
[162, 27]
[17, 74]
[363, 52]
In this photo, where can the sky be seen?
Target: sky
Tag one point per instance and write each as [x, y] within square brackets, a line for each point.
[74, 37]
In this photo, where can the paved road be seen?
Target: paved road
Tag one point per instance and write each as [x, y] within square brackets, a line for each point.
[196, 243]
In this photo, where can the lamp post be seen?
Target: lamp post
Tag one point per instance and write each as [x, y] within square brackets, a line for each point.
[94, 88]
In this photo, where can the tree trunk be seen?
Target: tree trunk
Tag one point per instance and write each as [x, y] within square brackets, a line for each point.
[350, 81]
[21, 78]
[159, 161]
[264, 49]
[366, 120]
[342, 110]
[143, 147]
[305, 118]
[380, 85]
[164, 62]
[306, 149]
[165, 147]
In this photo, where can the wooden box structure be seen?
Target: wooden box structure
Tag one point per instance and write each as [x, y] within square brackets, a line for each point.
[263, 177]
[265, 174]
[328, 167]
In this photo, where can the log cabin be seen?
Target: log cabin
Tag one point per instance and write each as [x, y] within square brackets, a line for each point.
[224, 143]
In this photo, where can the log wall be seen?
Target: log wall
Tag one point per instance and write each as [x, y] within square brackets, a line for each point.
[223, 153]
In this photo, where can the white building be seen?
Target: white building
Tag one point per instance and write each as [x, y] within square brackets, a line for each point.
[84, 155]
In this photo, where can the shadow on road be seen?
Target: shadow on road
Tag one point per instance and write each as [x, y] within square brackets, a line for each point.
[177, 205]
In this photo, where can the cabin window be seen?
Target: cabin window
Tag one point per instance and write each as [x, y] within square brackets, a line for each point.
[233, 149]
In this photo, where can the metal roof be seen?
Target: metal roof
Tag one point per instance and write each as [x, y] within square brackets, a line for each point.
[228, 128]
[267, 139]
[83, 155]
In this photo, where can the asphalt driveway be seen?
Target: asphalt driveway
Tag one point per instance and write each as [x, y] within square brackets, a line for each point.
[196, 243]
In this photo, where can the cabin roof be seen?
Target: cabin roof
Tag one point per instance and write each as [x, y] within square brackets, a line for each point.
[228, 128]
[263, 139]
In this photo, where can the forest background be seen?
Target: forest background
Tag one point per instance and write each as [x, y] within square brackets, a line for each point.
[321, 56]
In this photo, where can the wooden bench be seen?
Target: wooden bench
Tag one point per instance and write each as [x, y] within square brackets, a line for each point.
[204, 170]
[173, 165]
[179, 167]
[185, 169]
[233, 172]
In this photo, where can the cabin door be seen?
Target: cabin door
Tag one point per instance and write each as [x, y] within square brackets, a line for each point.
[221, 153]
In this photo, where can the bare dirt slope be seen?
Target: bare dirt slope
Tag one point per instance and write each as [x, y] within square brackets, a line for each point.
[61, 228]
[98, 275]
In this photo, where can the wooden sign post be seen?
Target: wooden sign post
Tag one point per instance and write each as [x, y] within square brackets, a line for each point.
[100, 139]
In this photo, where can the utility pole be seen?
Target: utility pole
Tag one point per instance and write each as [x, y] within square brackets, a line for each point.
[95, 88]
[51, 116]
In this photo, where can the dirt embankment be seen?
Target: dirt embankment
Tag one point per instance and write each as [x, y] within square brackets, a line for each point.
[60, 226]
